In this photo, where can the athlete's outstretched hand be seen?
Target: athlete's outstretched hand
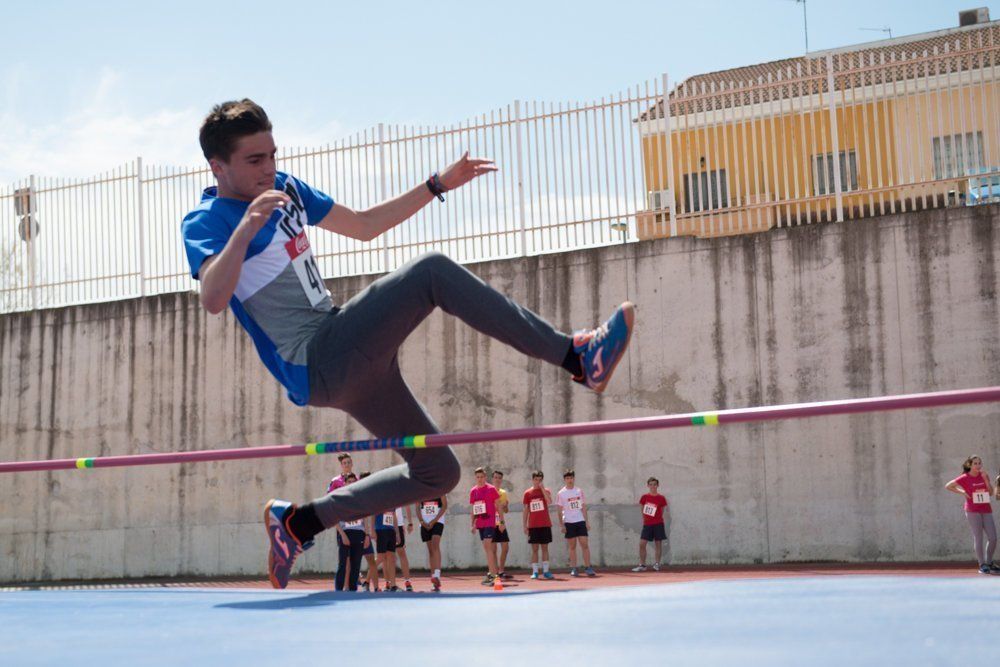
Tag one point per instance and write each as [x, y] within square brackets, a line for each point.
[260, 209]
[464, 170]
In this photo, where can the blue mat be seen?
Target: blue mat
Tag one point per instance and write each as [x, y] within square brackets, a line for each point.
[833, 620]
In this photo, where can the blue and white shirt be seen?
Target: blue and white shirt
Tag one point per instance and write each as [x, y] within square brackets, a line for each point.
[280, 298]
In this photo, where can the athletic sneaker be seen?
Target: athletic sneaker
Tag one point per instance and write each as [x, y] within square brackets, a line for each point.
[548, 575]
[602, 348]
[365, 587]
[590, 572]
[639, 568]
[488, 580]
[534, 575]
[656, 567]
[392, 589]
[285, 547]
[984, 569]
[573, 573]
[408, 585]
[435, 584]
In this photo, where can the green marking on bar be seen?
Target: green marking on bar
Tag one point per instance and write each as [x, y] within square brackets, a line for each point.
[84, 463]
[698, 420]
[408, 442]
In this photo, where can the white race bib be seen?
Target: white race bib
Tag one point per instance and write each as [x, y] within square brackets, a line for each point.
[389, 519]
[306, 269]
[354, 524]
[980, 497]
[649, 509]
[479, 508]
[575, 504]
[429, 511]
[536, 506]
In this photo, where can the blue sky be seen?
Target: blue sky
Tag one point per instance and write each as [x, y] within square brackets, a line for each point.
[86, 86]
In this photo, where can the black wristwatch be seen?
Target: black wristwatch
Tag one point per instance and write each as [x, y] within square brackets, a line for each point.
[435, 186]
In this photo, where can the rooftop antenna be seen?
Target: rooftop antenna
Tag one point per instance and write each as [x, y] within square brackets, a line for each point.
[885, 29]
[805, 22]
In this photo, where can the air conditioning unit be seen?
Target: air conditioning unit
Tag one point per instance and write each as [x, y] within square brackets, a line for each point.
[974, 16]
[657, 199]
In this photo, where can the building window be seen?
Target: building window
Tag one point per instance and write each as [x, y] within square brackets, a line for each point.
[705, 191]
[823, 176]
[958, 155]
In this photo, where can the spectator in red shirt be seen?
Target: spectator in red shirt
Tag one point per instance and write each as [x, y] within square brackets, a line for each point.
[483, 499]
[346, 468]
[538, 523]
[654, 509]
[974, 485]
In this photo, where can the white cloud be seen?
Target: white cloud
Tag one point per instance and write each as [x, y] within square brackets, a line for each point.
[99, 132]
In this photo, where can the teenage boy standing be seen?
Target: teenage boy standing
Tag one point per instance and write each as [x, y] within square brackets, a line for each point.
[538, 523]
[482, 499]
[501, 536]
[654, 512]
[574, 522]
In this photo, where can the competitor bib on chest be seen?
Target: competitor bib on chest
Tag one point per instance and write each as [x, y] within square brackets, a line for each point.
[353, 524]
[649, 509]
[479, 508]
[575, 504]
[980, 497]
[389, 519]
[429, 510]
[536, 506]
[300, 253]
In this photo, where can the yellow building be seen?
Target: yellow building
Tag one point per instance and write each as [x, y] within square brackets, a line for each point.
[914, 123]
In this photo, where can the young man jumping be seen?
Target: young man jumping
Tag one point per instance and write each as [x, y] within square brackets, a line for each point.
[246, 243]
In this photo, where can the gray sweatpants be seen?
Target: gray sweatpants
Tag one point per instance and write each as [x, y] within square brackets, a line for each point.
[982, 522]
[353, 366]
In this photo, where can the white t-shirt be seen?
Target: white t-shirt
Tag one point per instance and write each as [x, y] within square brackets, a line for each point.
[429, 510]
[571, 501]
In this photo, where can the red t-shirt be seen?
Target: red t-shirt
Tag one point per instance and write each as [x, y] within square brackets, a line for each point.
[537, 507]
[336, 483]
[973, 485]
[483, 500]
[652, 509]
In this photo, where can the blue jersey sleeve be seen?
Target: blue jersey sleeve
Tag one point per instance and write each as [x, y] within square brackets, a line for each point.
[316, 203]
[204, 235]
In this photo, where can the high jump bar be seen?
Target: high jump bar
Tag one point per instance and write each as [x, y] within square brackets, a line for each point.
[848, 406]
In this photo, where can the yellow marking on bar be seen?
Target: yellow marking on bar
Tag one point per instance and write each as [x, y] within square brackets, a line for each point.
[711, 420]
[420, 441]
[311, 449]
[81, 464]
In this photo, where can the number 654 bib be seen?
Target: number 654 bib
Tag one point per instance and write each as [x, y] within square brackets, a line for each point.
[300, 253]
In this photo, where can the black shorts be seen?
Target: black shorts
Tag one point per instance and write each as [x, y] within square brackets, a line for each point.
[540, 535]
[576, 529]
[386, 540]
[654, 533]
[486, 533]
[400, 537]
[501, 536]
[436, 529]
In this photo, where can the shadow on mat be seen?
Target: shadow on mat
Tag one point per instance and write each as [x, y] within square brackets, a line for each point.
[325, 598]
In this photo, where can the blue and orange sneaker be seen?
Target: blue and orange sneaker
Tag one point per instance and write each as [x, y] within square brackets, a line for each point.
[285, 547]
[602, 348]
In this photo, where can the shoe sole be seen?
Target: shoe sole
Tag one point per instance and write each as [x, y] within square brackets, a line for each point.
[628, 311]
[270, 547]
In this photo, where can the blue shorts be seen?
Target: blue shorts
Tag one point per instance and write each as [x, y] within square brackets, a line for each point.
[654, 533]
[486, 533]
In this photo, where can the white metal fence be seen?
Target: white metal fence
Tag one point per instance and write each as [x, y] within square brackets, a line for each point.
[903, 125]
[570, 177]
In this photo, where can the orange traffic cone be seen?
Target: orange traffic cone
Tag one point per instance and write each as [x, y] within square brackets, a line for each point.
[497, 584]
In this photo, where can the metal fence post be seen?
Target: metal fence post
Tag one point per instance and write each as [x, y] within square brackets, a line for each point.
[668, 131]
[140, 218]
[30, 236]
[382, 193]
[520, 180]
[835, 140]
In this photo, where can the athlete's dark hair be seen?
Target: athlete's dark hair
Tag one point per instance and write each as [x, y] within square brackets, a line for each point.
[480, 469]
[967, 463]
[227, 123]
[363, 475]
[498, 472]
[537, 473]
[344, 455]
[653, 479]
[351, 476]
[569, 473]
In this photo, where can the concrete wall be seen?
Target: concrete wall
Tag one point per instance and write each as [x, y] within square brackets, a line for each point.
[890, 305]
